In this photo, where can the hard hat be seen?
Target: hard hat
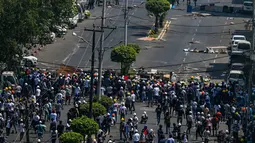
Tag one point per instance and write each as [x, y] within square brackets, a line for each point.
[122, 119]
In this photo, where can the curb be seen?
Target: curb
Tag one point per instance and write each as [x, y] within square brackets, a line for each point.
[163, 31]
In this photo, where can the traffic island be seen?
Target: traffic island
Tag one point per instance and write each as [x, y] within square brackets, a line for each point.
[161, 31]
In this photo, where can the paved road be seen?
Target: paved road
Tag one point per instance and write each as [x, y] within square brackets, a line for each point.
[75, 52]
[182, 31]
[141, 107]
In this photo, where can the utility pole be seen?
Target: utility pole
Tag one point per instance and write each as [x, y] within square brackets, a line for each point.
[92, 68]
[126, 22]
[27, 121]
[100, 55]
[251, 66]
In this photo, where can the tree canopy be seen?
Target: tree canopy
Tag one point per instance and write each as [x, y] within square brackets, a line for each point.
[71, 137]
[25, 21]
[97, 109]
[105, 101]
[84, 126]
[158, 8]
[123, 54]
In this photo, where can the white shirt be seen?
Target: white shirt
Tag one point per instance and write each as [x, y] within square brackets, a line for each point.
[136, 137]
[156, 91]
[38, 92]
[53, 116]
[133, 97]
[22, 127]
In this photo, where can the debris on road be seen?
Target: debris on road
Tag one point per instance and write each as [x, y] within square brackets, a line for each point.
[146, 39]
[194, 42]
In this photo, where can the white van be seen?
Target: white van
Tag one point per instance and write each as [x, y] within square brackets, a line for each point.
[236, 76]
[237, 37]
[247, 6]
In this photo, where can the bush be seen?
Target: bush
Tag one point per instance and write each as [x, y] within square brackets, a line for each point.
[105, 101]
[97, 109]
[71, 137]
[136, 47]
[84, 126]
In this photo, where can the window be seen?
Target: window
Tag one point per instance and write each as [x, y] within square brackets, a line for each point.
[10, 79]
[247, 4]
[239, 38]
[236, 76]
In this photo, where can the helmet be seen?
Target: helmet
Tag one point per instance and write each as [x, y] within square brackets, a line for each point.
[134, 114]
[179, 124]
[181, 106]
[136, 131]
[144, 112]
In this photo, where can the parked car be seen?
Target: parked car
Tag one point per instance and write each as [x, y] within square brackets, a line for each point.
[29, 61]
[59, 30]
[237, 66]
[236, 76]
[73, 21]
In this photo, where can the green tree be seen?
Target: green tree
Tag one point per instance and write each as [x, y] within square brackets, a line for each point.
[157, 7]
[97, 109]
[125, 55]
[135, 46]
[71, 137]
[105, 101]
[25, 23]
[84, 126]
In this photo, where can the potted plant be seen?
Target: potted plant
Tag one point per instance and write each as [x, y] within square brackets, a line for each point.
[87, 13]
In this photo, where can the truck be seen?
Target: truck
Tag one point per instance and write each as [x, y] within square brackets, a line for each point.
[8, 78]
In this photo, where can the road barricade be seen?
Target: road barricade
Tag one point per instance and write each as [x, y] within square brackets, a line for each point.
[218, 9]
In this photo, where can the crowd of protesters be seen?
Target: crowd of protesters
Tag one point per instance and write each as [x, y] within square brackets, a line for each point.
[203, 105]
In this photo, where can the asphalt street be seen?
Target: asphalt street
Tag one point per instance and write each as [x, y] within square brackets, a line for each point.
[75, 52]
[190, 32]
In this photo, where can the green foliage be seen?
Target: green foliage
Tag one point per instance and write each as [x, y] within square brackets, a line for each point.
[135, 46]
[123, 54]
[105, 101]
[157, 7]
[25, 23]
[84, 126]
[71, 137]
[97, 109]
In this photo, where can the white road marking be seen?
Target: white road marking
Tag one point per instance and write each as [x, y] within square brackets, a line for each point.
[192, 39]
[215, 57]
[186, 53]
[194, 34]
[184, 59]
[196, 30]
[220, 40]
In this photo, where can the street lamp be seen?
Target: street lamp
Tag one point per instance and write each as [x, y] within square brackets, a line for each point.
[81, 38]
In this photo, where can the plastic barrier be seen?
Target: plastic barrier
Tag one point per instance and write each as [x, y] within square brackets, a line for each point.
[189, 9]
[202, 7]
[217, 9]
[225, 9]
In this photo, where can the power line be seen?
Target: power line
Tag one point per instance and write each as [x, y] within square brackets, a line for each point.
[222, 25]
[181, 32]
